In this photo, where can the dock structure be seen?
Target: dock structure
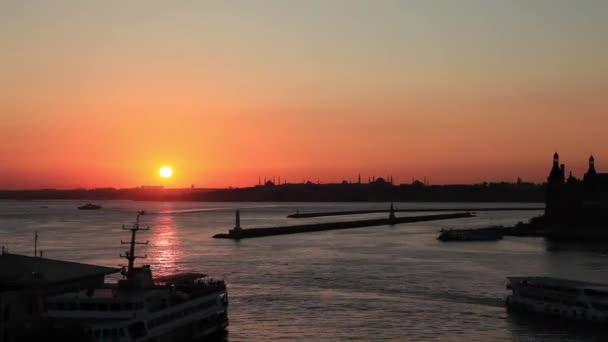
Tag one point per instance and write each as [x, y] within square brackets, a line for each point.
[235, 234]
[421, 210]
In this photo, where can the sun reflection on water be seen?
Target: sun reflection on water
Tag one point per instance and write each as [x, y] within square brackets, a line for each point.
[164, 252]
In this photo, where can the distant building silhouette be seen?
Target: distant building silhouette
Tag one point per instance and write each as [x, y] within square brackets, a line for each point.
[578, 204]
[152, 187]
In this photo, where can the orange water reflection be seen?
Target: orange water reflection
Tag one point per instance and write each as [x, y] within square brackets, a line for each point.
[164, 252]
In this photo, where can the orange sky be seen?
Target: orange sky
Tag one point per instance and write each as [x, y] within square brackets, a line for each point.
[103, 95]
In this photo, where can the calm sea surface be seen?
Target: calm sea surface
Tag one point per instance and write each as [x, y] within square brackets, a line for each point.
[376, 283]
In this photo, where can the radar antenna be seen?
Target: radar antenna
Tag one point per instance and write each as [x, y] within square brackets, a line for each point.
[130, 254]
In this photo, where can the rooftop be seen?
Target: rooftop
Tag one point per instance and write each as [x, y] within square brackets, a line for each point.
[22, 270]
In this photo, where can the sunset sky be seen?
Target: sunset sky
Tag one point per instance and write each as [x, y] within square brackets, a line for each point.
[104, 93]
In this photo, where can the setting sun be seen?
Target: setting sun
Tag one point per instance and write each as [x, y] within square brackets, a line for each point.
[166, 172]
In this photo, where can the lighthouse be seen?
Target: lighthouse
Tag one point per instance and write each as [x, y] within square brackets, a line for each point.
[391, 215]
[237, 225]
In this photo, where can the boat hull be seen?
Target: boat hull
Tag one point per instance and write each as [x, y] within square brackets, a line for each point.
[568, 312]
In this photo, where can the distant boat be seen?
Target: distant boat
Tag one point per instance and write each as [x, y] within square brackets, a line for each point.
[89, 206]
[480, 234]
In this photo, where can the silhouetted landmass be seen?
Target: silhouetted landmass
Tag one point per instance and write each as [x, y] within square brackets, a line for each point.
[378, 191]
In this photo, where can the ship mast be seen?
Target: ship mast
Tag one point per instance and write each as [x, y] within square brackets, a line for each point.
[130, 254]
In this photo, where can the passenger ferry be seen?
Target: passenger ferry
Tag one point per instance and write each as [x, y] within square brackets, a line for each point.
[570, 299]
[89, 206]
[474, 234]
[179, 307]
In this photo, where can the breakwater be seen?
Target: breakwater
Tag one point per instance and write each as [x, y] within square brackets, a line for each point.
[423, 210]
[317, 227]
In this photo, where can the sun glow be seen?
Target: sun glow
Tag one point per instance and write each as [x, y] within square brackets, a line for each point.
[166, 172]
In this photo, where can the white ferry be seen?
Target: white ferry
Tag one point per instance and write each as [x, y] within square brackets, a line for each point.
[570, 299]
[180, 307]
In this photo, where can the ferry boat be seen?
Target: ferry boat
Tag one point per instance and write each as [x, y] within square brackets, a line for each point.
[479, 234]
[89, 206]
[181, 307]
[565, 298]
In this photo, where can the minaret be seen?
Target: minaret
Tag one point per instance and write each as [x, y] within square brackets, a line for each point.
[591, 170]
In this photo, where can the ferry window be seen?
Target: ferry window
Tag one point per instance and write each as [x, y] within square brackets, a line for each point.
[115, 307]
[137, 330]
[102, 307]
[591, 292]
[600, 306]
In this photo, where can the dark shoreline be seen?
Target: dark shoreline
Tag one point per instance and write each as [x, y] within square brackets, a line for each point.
[303, 192]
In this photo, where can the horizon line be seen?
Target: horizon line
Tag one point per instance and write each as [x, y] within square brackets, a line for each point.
[229, 187]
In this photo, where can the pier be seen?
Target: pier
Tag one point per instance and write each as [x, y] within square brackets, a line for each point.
[239, 233]
[422, 210]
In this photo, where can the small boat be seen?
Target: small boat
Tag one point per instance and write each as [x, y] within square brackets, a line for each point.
[570, 299]
[89, 206]
[481, 234]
